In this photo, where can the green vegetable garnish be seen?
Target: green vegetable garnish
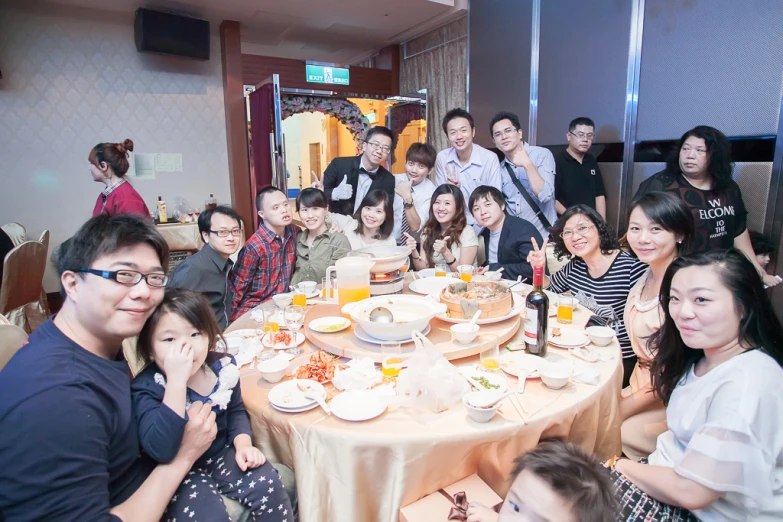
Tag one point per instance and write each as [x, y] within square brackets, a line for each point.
[485, 383]
[332, 327]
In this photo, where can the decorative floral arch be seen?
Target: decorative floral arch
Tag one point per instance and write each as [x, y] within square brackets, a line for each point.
[348, 113]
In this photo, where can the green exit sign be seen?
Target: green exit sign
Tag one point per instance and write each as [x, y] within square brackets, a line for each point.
[327, 74]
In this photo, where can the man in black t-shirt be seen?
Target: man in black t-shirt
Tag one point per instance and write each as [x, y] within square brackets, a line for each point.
[578, 179]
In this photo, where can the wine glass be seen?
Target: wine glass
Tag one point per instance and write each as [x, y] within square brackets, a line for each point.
[294, 320]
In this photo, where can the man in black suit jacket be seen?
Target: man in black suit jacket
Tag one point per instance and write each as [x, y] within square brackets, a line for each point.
[347, 180]
[507, 239]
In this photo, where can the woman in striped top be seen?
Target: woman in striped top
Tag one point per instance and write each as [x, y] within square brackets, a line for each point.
[599, 274]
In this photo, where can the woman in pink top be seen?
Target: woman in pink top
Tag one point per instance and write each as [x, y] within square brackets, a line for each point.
[660, 228]
[108, 165]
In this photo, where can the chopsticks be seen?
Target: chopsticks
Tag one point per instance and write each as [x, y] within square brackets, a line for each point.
[513, 397]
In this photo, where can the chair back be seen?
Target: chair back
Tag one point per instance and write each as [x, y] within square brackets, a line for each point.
[16, 232]
[129, 351]
[11, 339]
[23, 271]
[481, 256]
[44, 239]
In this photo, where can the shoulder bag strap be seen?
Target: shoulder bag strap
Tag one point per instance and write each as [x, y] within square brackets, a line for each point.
[539, 214]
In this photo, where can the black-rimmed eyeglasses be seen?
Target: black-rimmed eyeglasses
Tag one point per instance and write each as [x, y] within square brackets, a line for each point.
[236, 232]
[129, 277]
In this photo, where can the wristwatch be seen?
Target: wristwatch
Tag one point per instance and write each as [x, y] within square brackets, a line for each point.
[407, 205]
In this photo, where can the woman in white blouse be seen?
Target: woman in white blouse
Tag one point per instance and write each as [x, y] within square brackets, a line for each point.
[717, 367]
[446, 237]
[371, 225]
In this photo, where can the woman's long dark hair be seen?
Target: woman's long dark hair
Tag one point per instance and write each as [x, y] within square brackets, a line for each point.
[670, 213]
[720, 165]
[191, 306]
[432, 231]
[373, 199]
[605, 233]
[759, 327]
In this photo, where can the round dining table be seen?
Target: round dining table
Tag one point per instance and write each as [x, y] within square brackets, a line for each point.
[366, 471]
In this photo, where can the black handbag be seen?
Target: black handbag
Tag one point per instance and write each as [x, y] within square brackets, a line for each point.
[533, 205]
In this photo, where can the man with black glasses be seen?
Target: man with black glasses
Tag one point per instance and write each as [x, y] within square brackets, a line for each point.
[206, 270]
[69, 446]
[347, 180]
[578, 178]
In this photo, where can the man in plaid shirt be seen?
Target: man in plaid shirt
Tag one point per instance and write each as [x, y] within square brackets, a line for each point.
[266, 263]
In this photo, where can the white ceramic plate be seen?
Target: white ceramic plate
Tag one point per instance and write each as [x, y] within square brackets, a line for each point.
[568, 338]
[267, 341]
[430, 285]
[246, 333]
[357, 406]
[319, 325]
[517, 307]
[471, 373]
[513, 362]
[286, 396]
[364, 336]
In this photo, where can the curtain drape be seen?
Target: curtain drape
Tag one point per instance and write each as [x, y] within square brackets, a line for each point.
[442, 70]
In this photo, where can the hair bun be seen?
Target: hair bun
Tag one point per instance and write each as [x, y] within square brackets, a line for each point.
[126, 146]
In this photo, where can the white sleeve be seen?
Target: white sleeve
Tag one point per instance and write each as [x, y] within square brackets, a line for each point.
[342, 221]
[440, 169]
[423, 210]
[398, 209]
[468, 237]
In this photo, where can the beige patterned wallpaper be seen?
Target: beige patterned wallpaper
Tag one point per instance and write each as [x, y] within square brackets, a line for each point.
[73, 78]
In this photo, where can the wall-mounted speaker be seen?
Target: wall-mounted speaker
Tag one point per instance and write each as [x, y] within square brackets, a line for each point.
[166, 33]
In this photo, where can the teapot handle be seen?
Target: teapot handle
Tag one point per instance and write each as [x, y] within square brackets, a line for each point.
[329, 271]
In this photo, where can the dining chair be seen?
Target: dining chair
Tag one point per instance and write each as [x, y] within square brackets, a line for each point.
[44, 301]
[11, 339]
[22, 285]
[16, 232]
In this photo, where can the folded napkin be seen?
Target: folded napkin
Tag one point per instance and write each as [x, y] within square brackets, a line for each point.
[586, 353]
[360, 374]
[586, 374]
[257, 315]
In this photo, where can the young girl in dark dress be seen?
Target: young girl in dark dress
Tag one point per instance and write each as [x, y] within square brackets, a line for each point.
[178, 343]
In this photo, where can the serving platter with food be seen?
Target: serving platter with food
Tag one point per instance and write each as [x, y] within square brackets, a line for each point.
[319, 368]
[282, 340]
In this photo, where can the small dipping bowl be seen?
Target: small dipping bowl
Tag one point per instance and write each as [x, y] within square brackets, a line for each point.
[600, 335]
[464, 333]
[282, 300]
[554, 376]
[308, 287]
[272, 370]
[480, 414]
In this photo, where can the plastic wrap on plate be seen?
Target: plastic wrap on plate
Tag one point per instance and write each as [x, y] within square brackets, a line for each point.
[360, 374]
[430, 381]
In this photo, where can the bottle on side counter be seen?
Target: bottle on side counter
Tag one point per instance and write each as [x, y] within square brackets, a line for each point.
[211, 202]
[162, 217]
[536, 315]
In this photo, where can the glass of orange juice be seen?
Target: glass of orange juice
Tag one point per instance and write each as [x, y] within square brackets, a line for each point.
[565, 309]
[300, 299]
[271, 320]
[466, 273]
[441, 270]
[391, 354]
[490, 354]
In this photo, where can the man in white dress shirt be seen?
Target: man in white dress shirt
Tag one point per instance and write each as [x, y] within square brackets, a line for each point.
[466, 164]
[413, 192]
[534, 172]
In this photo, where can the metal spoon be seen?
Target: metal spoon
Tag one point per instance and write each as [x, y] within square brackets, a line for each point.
[380, 314]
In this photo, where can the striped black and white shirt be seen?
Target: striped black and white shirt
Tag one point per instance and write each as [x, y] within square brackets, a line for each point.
[605, 295]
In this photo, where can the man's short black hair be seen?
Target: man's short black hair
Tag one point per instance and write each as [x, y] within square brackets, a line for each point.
[104, 235]
[422, 153]
[381, 131]
[582, 120]
[486, 191]
[205, 218]
[505, 115]
[262, 193]
[575, 476]
[453, 114]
